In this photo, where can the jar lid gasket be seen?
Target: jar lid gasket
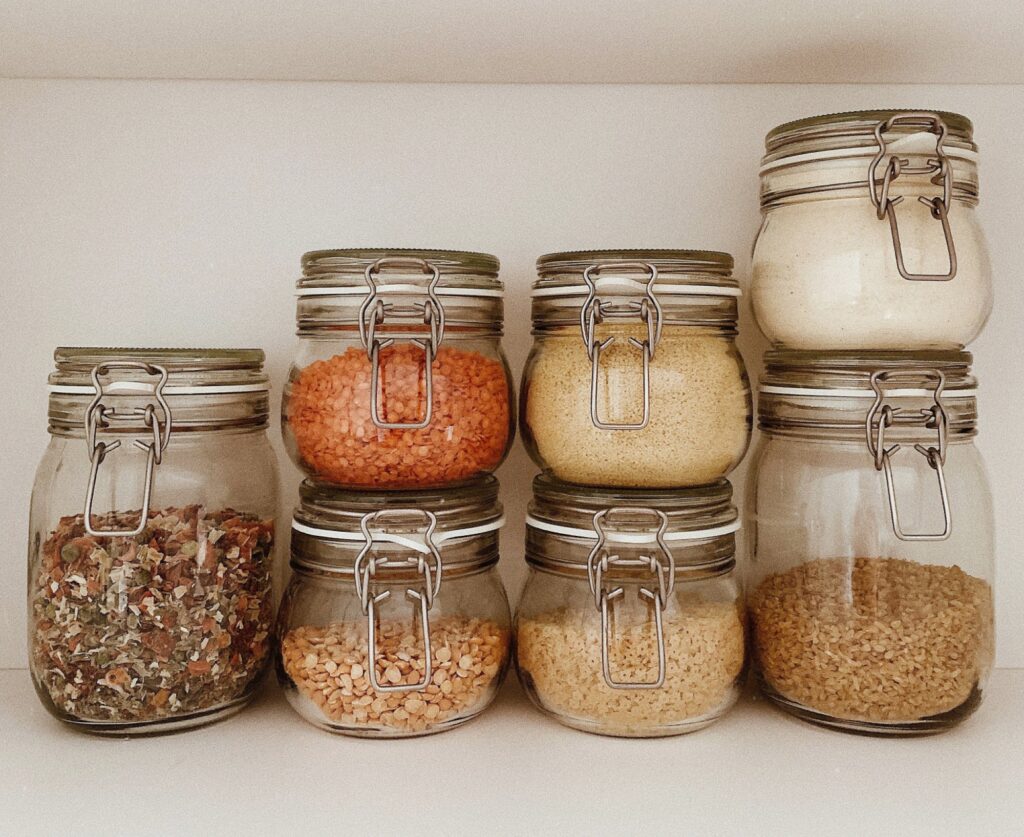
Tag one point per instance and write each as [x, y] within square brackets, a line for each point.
[409, 541]
[632, 537]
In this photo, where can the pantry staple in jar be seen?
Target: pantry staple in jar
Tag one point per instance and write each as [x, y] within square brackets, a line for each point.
[869, 238]
[879, 617]
[400, 380]
[631, 622]
[395, 622]
[152, 538]
[634, 379]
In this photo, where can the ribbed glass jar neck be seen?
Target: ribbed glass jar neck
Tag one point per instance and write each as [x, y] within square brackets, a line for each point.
[183, 390]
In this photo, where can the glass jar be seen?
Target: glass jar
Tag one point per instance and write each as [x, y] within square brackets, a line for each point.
[395, 622]
[869, 238]
[151, 545]
[631, 621]
[872, 541]
[634, 379]
[400, 380]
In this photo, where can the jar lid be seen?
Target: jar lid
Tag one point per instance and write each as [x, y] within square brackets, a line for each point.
[421, 521]
[855, 128]
[627, 515]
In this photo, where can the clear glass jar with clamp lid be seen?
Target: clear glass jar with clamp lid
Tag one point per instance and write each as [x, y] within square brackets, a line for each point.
[872, 535]
[152, 538]
[631, 621]
[352, 658]
[400, 381]
[634, 379]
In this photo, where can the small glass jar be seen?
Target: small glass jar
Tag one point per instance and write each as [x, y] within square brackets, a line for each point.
[151, 542]
[869, 238]
[634, 379]
[631, 622]
[400, 381]
[395, 622]
[872, 541]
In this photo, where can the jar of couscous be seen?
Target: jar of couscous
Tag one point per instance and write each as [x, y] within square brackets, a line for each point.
[871, 525]
[631, 621]
[634, 379]
[869, 237]
[400, 381]
[151, 547]
[395, 622]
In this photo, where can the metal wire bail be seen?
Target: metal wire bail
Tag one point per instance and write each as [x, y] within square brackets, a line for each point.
[372, 312]
[941, 172]
[97, 417]
[366, 572]
[880, 417]
[661, 565]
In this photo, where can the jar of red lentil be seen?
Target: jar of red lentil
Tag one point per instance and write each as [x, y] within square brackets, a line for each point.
[395, 622]
[400, 380]
[870, 585]
[631, 621]
[150, 601]
[634, 379]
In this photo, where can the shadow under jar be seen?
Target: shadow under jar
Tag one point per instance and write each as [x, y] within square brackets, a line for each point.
[400, 380]
[634, 379]
[152, 538]
[395, 622]
[869, 237]
[872, 541]
[631, 621]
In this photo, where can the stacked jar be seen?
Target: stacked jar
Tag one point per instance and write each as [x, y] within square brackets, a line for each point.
[635, 404]
[872, 545]
[398, 408]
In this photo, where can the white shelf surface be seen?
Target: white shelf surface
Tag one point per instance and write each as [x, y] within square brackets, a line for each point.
[512, 771]
[607, 41]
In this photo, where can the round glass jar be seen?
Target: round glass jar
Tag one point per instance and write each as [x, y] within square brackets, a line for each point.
[395, 622]
[400, 380]
[869, 238]
[634, 379]
[631, 622]
[150, 557]
[872, 541]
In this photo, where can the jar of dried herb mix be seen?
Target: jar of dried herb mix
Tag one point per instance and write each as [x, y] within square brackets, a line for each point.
[400, 381]
[631, 621]
[152, 538]
[634, 379]
[395, 622]
[869, 238]
[870, 587]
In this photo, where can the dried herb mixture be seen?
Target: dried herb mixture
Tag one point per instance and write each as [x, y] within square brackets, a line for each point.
[174, 621]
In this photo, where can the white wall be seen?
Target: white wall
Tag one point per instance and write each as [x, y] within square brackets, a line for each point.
[174, 213]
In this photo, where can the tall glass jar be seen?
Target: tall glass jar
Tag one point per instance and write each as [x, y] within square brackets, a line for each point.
[872, 539]
[152, 538]
[395, 622]
[869, 237]
[634, 379]
[631, 621]
[400, 381]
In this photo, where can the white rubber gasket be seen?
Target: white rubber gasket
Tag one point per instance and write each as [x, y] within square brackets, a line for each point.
[142, 388]
[633, 537]
[605, 282]
[409, 541]
[814, 392]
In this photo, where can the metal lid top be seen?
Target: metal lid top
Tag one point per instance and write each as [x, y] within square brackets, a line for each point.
[348, 268]
[860, 126]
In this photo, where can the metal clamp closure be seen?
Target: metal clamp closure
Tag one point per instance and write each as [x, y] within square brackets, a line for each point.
[594, 312]
[371, 316]
[941, 171]
[97, 417]
[366, 571]
[661, 565]
[880, 417]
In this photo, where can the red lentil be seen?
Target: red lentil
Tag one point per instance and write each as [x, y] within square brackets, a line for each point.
[328, 412]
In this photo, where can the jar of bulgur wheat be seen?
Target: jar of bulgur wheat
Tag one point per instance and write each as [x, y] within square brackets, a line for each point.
[631, 621]
[872, 540]
[395, 622]
[869, 236]
[400, 381]
[634, 379]
[151, 548]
